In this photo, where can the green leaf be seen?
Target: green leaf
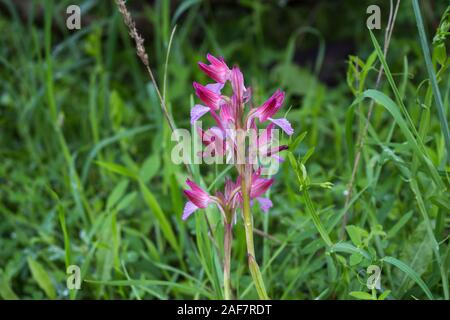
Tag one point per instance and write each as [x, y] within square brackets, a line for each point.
[361, 295]
[164, 223]
[432, 76]
[126, 201]
[349, 248]
[150, 168]
[293, 145]
[42, 278]
[116, 168]
[355, 259]
[355, 233]
[258, 279]
[440, 52]
[108, 141]
[403, 220]
[6, 292]
[415, 144]
[384, 295]
[307, 155]
[189, 289]
[116, 194]
[410, 273]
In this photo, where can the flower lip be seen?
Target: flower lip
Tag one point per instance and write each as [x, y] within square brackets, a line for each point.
[189, 208]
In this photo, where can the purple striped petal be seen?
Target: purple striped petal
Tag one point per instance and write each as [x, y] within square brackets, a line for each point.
[278, 158]
[197, 112]
[270, 107]
[189, 209]
[265, 204]
[210, 98]
[215, 87]
[217, 70]
[197, 196]
[284, 125]
[259, 186]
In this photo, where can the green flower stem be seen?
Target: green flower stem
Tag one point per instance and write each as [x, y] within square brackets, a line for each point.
[248, 224]
[226, 260]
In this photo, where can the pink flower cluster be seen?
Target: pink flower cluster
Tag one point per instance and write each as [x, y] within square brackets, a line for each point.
[230, 115]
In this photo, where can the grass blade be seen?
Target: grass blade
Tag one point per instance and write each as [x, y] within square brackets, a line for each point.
[432, 76]
[410, 273]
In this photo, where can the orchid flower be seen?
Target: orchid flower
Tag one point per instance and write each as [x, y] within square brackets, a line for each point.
[230, 114]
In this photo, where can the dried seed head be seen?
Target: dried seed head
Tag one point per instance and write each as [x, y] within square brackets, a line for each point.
[140, 50]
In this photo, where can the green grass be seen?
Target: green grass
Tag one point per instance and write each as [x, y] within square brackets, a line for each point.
[86, 176]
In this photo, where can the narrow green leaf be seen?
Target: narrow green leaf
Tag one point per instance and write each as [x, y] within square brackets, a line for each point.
[150, 167]
[432, 76]
[116, 194]
[361, 295]
[116, 168]
[410, 273]
[164, 223]
[41, 277]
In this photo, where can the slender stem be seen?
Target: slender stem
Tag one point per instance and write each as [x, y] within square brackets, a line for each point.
[248, 225]
[228, 237]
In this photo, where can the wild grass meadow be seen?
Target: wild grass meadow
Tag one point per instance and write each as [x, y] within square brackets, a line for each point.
[93, 206]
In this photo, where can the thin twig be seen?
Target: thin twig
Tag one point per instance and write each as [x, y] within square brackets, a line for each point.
[363, 134]
[140, 50]
[266, 235]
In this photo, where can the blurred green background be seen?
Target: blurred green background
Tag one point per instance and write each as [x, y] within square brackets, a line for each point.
[86, 176]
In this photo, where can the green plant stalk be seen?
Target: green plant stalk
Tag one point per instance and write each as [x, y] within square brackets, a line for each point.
[432, 76]
[248, 225]
[315, 218]
[228, 237]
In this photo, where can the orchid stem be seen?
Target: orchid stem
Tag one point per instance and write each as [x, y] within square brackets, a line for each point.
[228, 237]
[248, 224]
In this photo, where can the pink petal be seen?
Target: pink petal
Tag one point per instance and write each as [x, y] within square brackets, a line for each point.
[226, 113]
[197, 112]
[189, 208]
[215, 61]
[260, 186]
[210, 98]
[284, 125]
[197, 196]
[247, 95]
[217, 70]
[237, 83]
[270, 107]
[266, 136]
